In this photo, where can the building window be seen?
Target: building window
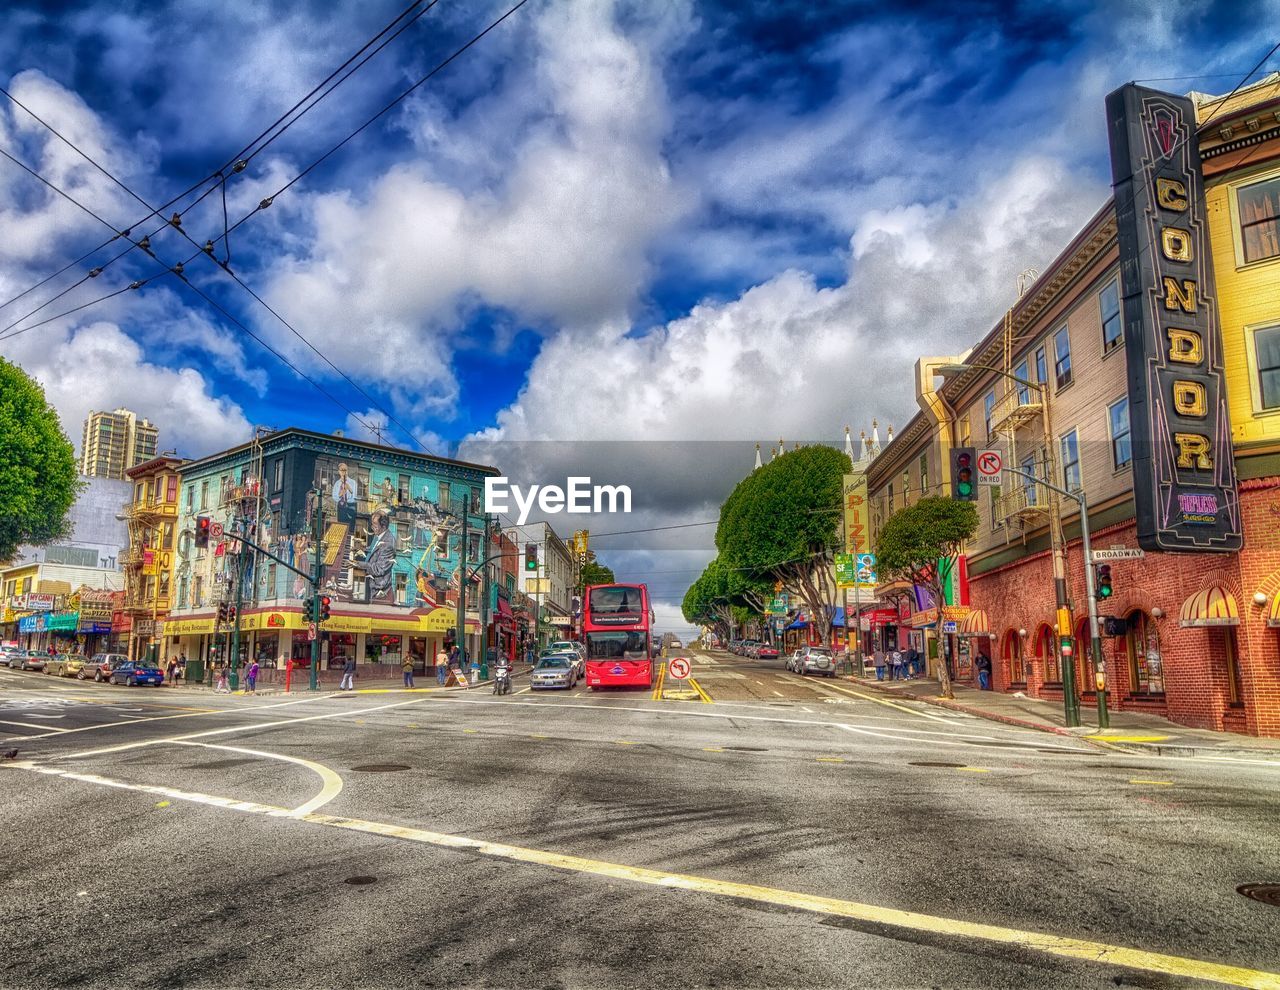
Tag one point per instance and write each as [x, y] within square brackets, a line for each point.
[1121, 445]
[402, 494]
[988, 406]
[204, 495]
[271, 581]
[995, 505]
[891, 498]
[473, 546]
[906, 488]
[191, 498]
[1042, 366]
[171, 489]
[1028, 476]
[277, 480]
[476, 505]
[402, 588]
[168, 536]
[1267, 343]
[137, 492]
[1260, 220]
[924, 474]
[1109, 304]
[199, 592]
[1235, 696]
[445, 495]
[1024, 393]
[1062, 358]
[1071, 461]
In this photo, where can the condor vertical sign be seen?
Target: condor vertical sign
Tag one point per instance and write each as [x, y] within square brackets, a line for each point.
[1184, 479]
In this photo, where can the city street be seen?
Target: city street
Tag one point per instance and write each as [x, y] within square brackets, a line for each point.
[759, 829]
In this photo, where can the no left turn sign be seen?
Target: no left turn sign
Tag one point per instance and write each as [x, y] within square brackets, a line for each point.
[678, 668]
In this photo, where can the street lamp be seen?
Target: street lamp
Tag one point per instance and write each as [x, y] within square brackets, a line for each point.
[1057, 540]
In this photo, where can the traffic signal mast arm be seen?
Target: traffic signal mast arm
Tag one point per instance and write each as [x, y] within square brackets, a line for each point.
[267, 553]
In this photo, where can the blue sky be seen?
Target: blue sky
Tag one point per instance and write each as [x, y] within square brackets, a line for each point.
[605, 221]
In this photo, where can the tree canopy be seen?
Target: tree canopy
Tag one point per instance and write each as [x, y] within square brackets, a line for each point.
[920, 543]
[782, 523]
[593, 572]
[38, 478]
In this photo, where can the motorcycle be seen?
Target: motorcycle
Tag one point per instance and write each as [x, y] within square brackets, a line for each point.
[502, 680]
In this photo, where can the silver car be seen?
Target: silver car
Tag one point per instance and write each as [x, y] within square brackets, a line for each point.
[814, 660]
[554, 672]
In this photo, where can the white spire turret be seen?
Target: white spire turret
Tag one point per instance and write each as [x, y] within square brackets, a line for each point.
[848, 444]
[757, 467]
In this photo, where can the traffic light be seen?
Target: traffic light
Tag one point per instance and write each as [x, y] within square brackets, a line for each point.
[325, 602]
[231, 613]
[1104, 581]
[963, 486]
[222, 611]
[202, 531]
[531, 557]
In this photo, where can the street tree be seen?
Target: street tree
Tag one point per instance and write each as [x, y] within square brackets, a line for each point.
[920, 544]
[724, 598]
[594, 572]
[781, 523]
[38, 479]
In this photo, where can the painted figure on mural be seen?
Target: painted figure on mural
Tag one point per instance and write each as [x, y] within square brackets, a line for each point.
[380, 556]
[388, 492]
[301, 545]
[345, 494]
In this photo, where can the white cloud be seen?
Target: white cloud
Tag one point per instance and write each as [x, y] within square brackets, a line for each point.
[100, 367]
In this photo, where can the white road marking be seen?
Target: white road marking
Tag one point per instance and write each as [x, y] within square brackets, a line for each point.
[332, 783]
[28, 725]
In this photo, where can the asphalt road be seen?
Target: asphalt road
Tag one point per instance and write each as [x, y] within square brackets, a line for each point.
[761, 829]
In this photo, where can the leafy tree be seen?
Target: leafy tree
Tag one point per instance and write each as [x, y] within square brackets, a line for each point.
[782, 523]
[723, 598]
[920, 543]
[38, 480]
[593, 572]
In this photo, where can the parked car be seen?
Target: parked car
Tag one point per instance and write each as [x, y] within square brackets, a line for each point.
[58, 662]
[10, 653]
[554, 672]
[31, 660]
[101, 666]
[71, 664]
[135, 672]
[815, 660]
[766, 651]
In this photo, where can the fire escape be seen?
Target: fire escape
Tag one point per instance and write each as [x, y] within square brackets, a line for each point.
[1017, 415]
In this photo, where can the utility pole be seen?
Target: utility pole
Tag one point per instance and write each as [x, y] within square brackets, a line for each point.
[462, 592]
[235, 629]
[316, 572]
[484, 604]
[1057, 540]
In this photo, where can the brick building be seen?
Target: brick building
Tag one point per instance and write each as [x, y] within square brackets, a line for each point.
[1069, 390]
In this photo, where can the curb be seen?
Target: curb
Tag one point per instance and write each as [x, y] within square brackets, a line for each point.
[1100, 742]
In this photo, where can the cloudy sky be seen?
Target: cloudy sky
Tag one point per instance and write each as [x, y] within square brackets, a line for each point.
[623, 239]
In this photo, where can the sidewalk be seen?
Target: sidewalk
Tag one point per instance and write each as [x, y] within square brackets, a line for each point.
[1130, 732]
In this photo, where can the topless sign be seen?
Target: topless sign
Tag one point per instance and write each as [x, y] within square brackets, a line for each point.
[1184, 477]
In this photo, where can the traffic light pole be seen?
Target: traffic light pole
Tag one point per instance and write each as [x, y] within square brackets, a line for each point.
[235, 629]
[317, 572]
[1091, 592]
[462, 594]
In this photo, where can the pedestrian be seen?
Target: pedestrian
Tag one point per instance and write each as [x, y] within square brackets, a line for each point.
[877, 661]
[172, 671]
[223, 686]
[348, 674]
[442, 667]
[251, 679]
[983, 664]
[896, 659]
[913, 663]
[407, 668]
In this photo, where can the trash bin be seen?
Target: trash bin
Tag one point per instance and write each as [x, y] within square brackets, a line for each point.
[195, 672]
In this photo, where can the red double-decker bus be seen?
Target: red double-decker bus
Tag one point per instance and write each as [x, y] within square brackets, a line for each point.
[616, 625]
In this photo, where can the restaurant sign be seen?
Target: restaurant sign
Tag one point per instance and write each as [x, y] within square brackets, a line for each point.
[1184, 480]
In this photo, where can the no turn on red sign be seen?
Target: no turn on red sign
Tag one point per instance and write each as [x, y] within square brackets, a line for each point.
[678, 668]
[990, 464]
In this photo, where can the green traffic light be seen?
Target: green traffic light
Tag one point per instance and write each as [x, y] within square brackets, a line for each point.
[964, 488]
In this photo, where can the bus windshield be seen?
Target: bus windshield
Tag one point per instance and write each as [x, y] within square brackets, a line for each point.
[615, 600]
[632, 645]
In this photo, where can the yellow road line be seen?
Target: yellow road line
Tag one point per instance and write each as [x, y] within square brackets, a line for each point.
[706, 698]
[885, 701]
[662, 676]
[1081, 950]
[712, 749]
[1101, 737]
[829, 759]
[974, 769]
[626, 742]
[1157, 783]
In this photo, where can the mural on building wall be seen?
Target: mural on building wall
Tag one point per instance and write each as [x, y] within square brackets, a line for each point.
[381, 532]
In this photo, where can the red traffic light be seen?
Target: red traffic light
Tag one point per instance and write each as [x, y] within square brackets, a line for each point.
[325, 602]
[203, 524]
[964, 460]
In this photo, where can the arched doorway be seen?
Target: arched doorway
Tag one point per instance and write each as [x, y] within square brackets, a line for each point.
[1082, 654]
[1011, 660]
[1047, 653]
[1142, 645]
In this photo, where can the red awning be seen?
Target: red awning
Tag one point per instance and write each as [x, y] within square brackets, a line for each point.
[504, 611]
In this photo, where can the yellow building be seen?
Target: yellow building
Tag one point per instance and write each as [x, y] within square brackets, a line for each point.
[152, 516]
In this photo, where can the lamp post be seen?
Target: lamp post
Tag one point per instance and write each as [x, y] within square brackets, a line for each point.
[1057, 541]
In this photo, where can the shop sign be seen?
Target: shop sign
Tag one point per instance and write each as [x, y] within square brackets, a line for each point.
[31, 602]
[143, 627]
[31, 624]
[95, 614]
[347, 623]
[189, 627]
[121, 622]
[1184, 477]
[857, 531]
[955, 613]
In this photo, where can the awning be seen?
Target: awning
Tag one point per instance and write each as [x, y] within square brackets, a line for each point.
[800, 623]
[504, 611]
[1273, 617]
[976, 623]
[1214, 606]
[837, 620]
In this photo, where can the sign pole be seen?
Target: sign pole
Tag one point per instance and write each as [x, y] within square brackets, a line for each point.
[318, 537]
[1095, 641]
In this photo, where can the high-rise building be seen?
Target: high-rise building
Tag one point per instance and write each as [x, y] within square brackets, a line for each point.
[114, 442]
